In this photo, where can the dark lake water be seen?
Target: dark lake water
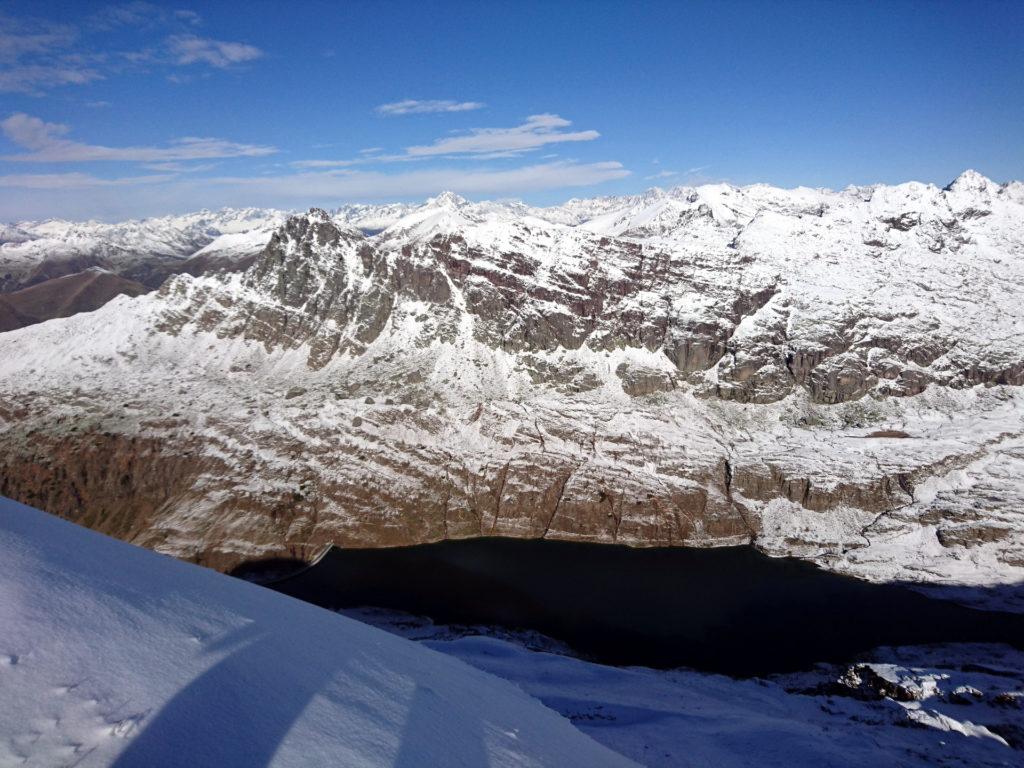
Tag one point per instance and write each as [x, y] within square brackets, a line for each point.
[730, 610]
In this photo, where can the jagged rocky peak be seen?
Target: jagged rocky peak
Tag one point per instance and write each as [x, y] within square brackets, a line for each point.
[317, 228]
[307, 259]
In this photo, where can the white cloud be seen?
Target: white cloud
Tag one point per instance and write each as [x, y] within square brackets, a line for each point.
[418, 107]
[34, 56]
[142, 15]
[478, 144]
[20, 38]
[323, 163]
[179, 167]
[47, 146]
[188, 17]
[537, 131]
[81, 195]
[190, 49]
[66, 181]
[689, 172]
[133, 14]
[350, 184]
[37, 55]
[31, 132]
[31, 78]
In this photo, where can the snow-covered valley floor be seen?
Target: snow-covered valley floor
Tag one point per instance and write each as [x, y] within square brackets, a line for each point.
[950, 705]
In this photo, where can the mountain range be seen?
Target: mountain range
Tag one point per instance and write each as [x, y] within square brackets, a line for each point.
[828, 375]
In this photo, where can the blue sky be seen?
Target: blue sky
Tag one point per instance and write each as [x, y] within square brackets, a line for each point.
[136, 109]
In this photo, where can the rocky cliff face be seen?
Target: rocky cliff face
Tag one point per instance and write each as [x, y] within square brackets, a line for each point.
[830, 375]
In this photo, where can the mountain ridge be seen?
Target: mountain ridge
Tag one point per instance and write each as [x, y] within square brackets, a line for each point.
[706, 367]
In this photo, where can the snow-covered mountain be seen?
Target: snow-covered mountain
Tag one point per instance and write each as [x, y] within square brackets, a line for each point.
[150, 250]
[111, 655]
[831, 375]
[145, 250]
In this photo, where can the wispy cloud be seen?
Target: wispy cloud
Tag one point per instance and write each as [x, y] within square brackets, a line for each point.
[33, 78]
[419, 107]
[23, 37]
[71, 181]
[34, 55]
[375, 185]
[188, 17]
[689, 172]
[538, 131]
[85, 196]
[47, 145]
[189, 49]
[141, 14]
[478, 144]
[180, 167]
[323, 163]
[38, 55]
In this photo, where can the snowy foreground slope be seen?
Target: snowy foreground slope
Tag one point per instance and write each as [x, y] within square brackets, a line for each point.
[950, 705]
[831, 375]
[112, 655]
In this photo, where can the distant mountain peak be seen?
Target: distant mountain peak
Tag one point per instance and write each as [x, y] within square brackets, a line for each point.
[969, 180]
[448, 199]
[318, 214]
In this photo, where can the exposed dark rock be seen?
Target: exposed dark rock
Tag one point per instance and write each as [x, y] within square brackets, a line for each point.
[971, 535]
[638, 381]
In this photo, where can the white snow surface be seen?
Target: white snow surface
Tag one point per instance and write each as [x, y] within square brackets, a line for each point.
[114, 655]
[964, 695]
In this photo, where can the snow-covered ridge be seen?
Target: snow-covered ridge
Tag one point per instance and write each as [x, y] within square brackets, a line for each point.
[25, 244]
[832, 375]
[111, 655]
[33, 251]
